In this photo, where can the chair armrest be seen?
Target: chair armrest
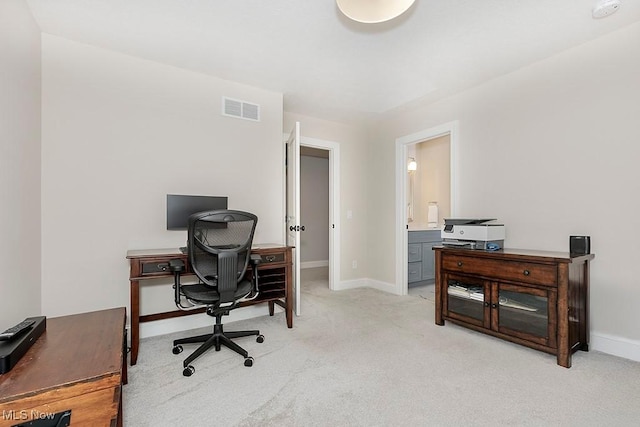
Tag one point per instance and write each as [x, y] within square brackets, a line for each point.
[255, 259]
[176, 265]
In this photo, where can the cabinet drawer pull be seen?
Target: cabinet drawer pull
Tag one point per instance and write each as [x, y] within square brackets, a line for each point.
[526, 272]
[459, 263]
[494, 305]
[486, 304]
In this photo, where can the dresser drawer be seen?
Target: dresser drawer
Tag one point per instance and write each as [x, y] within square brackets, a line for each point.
[525, 272]
[415, 272]
[415, 252]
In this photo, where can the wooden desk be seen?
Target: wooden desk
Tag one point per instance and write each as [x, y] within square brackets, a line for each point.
[275, 283]
[77, 364]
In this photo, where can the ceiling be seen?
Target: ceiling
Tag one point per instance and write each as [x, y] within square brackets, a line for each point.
[326, 65]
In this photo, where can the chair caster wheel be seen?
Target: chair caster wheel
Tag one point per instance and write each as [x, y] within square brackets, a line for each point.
[177, 349]
[260, 338]
[248, 361]
[188, 371]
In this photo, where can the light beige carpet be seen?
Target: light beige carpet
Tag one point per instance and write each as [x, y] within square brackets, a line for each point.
[366, 358]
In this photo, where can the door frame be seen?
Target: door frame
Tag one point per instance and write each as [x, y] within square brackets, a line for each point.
[402, 234]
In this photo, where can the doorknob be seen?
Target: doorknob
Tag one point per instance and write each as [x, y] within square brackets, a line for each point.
[302, 228]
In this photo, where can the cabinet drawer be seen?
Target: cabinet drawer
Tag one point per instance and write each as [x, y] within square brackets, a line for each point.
[525, 272]
[415, 272]
[425, 236]
[415, 252]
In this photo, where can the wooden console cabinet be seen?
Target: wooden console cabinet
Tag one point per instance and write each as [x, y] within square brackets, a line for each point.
[76, 367]
[534, 298]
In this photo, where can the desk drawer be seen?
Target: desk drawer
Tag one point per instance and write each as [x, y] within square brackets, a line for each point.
[154, 267]
[524, 272]
[272, 257]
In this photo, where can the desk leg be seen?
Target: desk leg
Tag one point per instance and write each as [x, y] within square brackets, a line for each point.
[135, 320]
[271, 308]
[289, 313]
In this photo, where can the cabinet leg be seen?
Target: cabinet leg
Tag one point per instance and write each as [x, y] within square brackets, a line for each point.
[564, 360]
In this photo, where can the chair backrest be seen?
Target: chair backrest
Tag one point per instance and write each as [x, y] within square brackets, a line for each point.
[219, 245]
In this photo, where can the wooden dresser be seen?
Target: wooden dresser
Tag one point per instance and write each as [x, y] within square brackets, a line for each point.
[534, 298]
[75, 365]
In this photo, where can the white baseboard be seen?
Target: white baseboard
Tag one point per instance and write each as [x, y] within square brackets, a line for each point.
[367, 283]
[314, 264]
[616, 346]
[351, 284]
[185, 323]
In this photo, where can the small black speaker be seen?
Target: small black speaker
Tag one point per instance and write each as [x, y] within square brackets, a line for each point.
[580, 245]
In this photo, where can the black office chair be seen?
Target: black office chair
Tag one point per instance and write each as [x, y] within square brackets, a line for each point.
[219, 251]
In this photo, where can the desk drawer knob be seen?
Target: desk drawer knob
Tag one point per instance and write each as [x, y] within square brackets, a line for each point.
[270, 258]
[526, 272]
[459, 263]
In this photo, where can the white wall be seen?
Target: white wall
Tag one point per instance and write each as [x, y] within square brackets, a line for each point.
[353, 187]
[433, 183]
[119, 133]
[550, 150]
[19, 163]
[314, 210]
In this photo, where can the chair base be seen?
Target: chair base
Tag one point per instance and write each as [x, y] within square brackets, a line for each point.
[216, 340]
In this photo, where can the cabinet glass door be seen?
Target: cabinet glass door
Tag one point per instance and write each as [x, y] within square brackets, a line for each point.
[524, 312]
[466, 300]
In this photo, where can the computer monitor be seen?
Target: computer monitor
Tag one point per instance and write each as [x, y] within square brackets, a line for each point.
[181, 207]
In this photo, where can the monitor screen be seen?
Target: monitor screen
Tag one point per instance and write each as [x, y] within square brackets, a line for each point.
[181, 207]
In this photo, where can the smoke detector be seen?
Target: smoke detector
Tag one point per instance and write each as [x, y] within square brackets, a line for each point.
[605, 8]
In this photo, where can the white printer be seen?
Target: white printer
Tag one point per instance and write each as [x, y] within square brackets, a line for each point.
[473, 233]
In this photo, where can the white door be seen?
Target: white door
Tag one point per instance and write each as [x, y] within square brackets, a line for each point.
[293, 209]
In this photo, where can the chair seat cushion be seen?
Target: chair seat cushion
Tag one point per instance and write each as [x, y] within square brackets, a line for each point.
[209, 295]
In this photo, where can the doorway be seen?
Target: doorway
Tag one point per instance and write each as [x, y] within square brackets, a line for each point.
[314, 214]
[292, 202]
[320, 207]
[406, 206]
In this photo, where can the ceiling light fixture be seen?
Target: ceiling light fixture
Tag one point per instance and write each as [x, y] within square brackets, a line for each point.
[373, 11]
[605, 8]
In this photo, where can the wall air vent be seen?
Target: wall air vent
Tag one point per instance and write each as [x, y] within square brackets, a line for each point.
[240, 109]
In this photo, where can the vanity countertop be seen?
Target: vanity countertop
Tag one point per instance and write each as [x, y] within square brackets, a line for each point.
[422, 227]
